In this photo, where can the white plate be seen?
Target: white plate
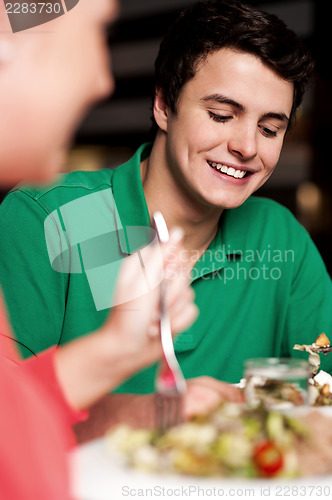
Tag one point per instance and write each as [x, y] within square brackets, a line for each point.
[97, 477]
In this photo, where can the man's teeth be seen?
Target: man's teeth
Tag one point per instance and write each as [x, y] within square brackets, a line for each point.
[238, 174]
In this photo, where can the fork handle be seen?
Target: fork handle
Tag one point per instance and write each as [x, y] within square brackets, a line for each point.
[170, 371]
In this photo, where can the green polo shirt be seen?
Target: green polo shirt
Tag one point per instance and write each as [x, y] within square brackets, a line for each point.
[261, 286]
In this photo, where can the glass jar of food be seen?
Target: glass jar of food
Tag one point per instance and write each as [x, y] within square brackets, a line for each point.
[276, 383]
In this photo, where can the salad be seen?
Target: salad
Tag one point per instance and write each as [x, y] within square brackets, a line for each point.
[241, 441]
[232, 441]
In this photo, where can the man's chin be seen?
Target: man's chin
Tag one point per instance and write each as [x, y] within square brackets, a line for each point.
[230, 204]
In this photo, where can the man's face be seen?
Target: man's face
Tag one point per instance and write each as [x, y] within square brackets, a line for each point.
[225, 138]
[57, 74]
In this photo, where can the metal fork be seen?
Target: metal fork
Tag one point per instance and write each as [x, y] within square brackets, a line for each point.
[170, 384]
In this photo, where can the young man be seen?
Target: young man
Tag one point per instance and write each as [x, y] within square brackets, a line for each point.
[228, 81]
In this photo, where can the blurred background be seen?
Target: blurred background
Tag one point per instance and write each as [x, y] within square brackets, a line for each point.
[116, 127]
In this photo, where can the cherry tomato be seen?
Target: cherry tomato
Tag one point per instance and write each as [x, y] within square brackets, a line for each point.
[268, 458]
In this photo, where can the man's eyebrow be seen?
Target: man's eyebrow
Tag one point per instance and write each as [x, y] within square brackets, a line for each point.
[221, 99]
[278, 116]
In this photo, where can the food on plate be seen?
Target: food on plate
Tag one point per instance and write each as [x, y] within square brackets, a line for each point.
[231, 441]
[320, 383]
[320, 389]
[315, 452]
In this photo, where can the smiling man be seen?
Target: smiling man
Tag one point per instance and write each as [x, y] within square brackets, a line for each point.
[229, 79]
[224, 139]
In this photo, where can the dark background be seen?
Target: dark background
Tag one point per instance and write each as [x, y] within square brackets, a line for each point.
[116, 127]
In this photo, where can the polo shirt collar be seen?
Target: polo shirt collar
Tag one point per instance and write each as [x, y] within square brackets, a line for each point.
[132, 210]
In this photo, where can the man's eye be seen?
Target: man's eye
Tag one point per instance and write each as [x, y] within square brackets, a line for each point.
[219, 118]
[267, 132]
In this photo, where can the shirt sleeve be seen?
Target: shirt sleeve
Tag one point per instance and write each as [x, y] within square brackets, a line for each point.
[35, 293]
[42, 368]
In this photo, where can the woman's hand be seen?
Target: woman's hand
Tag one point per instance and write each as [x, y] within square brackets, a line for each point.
[136, 322]
[129, 340]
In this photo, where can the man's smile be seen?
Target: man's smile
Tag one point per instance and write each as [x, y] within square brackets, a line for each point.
[230, 171]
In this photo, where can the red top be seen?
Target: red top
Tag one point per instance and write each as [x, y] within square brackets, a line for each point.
[35, 421]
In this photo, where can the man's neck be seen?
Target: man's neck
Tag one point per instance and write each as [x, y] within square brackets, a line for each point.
[165, 193]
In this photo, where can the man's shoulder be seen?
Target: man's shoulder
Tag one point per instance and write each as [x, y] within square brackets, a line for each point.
[76, 184]
[66, 188]
[73, 184]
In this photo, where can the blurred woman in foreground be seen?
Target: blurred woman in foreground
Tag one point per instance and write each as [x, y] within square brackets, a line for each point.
[49, 76]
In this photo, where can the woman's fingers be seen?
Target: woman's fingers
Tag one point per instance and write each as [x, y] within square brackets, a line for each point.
[142, 272]
[185, 319]
[136, 301]
[183, 311]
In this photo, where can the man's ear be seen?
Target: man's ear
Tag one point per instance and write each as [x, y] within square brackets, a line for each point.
[160, 110]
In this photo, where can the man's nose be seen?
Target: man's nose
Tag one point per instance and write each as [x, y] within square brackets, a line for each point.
[243, 142]
[105, 85]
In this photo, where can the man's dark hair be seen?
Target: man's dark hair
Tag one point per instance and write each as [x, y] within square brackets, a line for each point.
[206, 27]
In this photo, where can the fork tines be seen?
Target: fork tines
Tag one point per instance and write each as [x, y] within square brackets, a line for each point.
[168, 410]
